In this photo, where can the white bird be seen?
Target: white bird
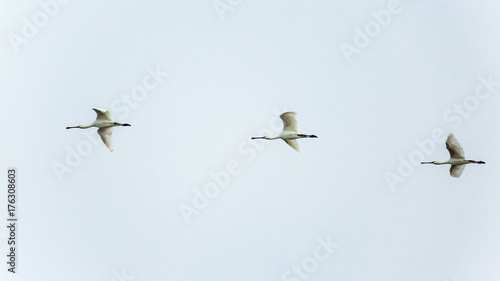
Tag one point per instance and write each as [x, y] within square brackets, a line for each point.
[457, 157]
[290, 132]
[105, 125]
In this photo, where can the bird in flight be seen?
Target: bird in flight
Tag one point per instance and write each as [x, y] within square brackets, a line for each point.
[457, 157]
[105, 125]
[290, 131]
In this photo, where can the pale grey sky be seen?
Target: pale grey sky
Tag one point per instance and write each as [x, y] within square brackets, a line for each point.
[381, 83]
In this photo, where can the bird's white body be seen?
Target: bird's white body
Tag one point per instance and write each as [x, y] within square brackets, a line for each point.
[105, 124]
[457, 157]
[290, 131]
[454, 162]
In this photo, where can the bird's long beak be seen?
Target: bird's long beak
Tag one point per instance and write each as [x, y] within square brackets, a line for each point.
[255, 138]
[426, 163]
[72, 127]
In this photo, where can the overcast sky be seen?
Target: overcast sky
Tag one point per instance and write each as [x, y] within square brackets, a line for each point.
[186, 195]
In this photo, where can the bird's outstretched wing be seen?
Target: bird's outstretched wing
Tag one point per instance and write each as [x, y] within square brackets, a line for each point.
[294, 144]
[454, 147]
[105, 134]
[102, 114]
[456, 170]
[289, 122]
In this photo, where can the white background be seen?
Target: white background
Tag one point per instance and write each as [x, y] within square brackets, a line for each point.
[230, 73]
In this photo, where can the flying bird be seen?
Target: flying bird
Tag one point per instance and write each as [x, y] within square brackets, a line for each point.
[105, 125]
[290, 132]
[457, 157]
